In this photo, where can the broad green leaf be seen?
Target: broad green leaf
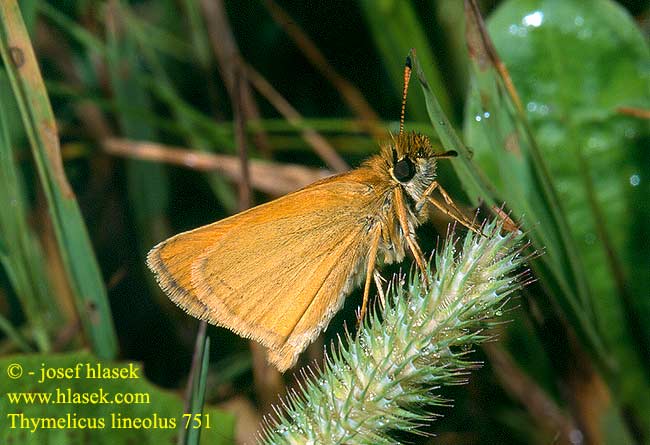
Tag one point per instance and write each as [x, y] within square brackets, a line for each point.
[516, 158]
[163, 410]
[574, 64]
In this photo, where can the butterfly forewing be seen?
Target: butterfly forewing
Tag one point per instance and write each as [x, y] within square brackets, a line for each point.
[276, 273]
[172, 259]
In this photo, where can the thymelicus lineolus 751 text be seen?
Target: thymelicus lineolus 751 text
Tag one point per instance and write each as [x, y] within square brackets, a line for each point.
[278, 272]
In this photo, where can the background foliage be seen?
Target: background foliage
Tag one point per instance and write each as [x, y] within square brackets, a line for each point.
[302, 89]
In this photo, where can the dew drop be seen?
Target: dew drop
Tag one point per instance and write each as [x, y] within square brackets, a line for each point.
[531, 106]
[486, 115]
[533, 19]
[635, 180]
[477, 118]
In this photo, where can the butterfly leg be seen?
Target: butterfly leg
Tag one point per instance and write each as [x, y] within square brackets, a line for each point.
[470, 224]
[506, 222]
[370, 269]
[379, 282]
[461, 219]
[451, 203]
[458, 215]
[400, 209]
[425, 195]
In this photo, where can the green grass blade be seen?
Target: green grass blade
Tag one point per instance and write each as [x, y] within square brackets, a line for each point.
[199, 36]
[474, 182]
[20, 253]
[74, 244]
[147, 182]
[200, 131]
[8, 329]
[77, 32]
[166, 91]
[196, 391]
[396, 29]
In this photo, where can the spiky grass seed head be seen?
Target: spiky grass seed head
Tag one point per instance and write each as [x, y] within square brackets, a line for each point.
[387, 377]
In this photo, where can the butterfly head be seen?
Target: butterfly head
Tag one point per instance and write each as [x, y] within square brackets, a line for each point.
[411, 162]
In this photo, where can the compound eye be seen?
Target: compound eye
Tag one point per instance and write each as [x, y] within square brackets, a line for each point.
[404, 170]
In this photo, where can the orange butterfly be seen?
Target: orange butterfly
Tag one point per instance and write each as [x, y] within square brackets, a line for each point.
[277, 273]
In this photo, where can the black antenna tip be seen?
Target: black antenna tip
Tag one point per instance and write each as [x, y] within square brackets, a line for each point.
[408, 62]
[452, 153]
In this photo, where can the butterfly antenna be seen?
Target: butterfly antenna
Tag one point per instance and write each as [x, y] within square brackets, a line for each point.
[407, 77]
